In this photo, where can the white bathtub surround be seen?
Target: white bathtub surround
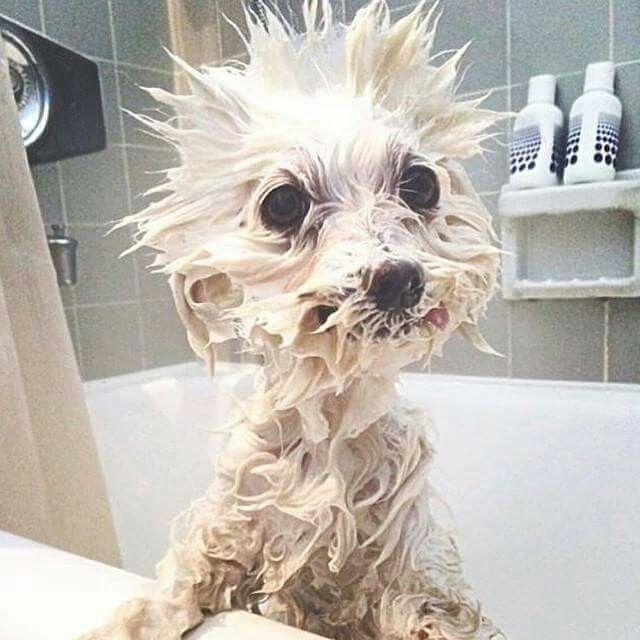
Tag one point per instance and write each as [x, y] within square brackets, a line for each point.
[48, 594]
[372, 482]
[156, 432]
[541, 478]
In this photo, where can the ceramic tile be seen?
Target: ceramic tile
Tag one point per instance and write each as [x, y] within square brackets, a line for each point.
[47, 184]
[27, 12]
[558, 38]
[95, 187]
[558, 339]
[136, 100]
[165, 340]
[67, 21]
[110, 340]
[102, 275]
[141, 31]
[628, 85]
[624, 340]
[626, 42]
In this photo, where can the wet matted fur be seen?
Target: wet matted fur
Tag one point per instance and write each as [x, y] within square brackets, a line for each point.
[321, 514]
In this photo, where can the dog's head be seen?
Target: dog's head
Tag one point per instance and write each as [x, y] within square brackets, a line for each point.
[319, 209]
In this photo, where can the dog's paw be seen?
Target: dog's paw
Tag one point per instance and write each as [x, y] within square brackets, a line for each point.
[100, 634]
[115, 632]
[126, 632]
[148, 619]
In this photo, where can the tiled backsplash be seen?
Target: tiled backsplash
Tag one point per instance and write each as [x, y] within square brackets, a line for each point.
[120, 315]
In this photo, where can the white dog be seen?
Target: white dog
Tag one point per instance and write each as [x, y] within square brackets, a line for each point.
[319, 213]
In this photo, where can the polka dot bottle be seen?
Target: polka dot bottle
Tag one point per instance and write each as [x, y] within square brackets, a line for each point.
[594, 129]
[535, 152]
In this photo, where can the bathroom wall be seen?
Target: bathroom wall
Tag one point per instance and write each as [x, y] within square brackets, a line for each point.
[596, 340]
[120, 316]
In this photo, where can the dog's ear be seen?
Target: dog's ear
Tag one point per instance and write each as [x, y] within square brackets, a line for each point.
[209, 131]
[201, 300]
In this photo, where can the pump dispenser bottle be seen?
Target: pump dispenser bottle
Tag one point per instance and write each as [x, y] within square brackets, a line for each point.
[594, 128]
[536, 147]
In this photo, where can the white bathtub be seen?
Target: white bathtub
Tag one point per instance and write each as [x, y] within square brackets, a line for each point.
[543, 478]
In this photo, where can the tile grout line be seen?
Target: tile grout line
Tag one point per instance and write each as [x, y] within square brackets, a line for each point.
[127, 181]
[41, 12]
[219, 34]
[611, 27]
[479, 92]
[406, 5]
[65, 220]
[74, 299]
[115, 303]
[63, 198]
[133, 65]
[605, 333]
[143, 147]
[624, 63]
[90, 225]
[509, 108]
[509, 342]
[507, 15]
[605, 344]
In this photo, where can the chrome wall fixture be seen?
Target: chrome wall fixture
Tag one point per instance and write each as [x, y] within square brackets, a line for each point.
[57, 92]
[31, 88]
[63, 251]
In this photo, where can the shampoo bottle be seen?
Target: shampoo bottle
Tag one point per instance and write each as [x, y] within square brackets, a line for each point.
[594, 128]
[536, 146]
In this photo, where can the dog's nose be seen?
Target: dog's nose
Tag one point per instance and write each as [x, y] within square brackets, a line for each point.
[396, 285]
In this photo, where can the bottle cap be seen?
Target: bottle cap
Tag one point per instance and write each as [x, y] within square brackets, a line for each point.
[542, 89]
[599, 75]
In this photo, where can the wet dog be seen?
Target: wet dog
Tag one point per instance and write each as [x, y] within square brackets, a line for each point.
[320, 214]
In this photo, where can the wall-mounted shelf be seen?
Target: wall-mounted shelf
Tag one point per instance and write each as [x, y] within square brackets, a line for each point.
[574, 241]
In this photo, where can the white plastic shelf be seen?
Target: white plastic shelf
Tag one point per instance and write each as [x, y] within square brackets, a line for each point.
[574, 241]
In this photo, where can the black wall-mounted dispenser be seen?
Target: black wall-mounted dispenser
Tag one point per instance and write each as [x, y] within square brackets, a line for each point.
[58, 95]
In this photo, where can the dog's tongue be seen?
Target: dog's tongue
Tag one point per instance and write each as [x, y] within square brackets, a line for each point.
[438, 317]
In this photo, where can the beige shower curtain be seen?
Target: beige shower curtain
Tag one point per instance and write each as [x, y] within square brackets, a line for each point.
[51, 483]
[193, 35]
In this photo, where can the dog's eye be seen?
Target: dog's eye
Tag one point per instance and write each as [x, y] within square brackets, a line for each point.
[284, 207]
[419, 188]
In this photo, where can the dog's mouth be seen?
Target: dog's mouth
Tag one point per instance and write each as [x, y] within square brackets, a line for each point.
[389, 324]
[323, 313]
[438, 317]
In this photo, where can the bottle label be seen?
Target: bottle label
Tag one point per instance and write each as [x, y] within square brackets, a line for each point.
[573, 141]
[602, 148]
[607, 139]
[524, 148]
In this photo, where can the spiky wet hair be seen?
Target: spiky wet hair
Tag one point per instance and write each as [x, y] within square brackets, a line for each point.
[227, 127]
